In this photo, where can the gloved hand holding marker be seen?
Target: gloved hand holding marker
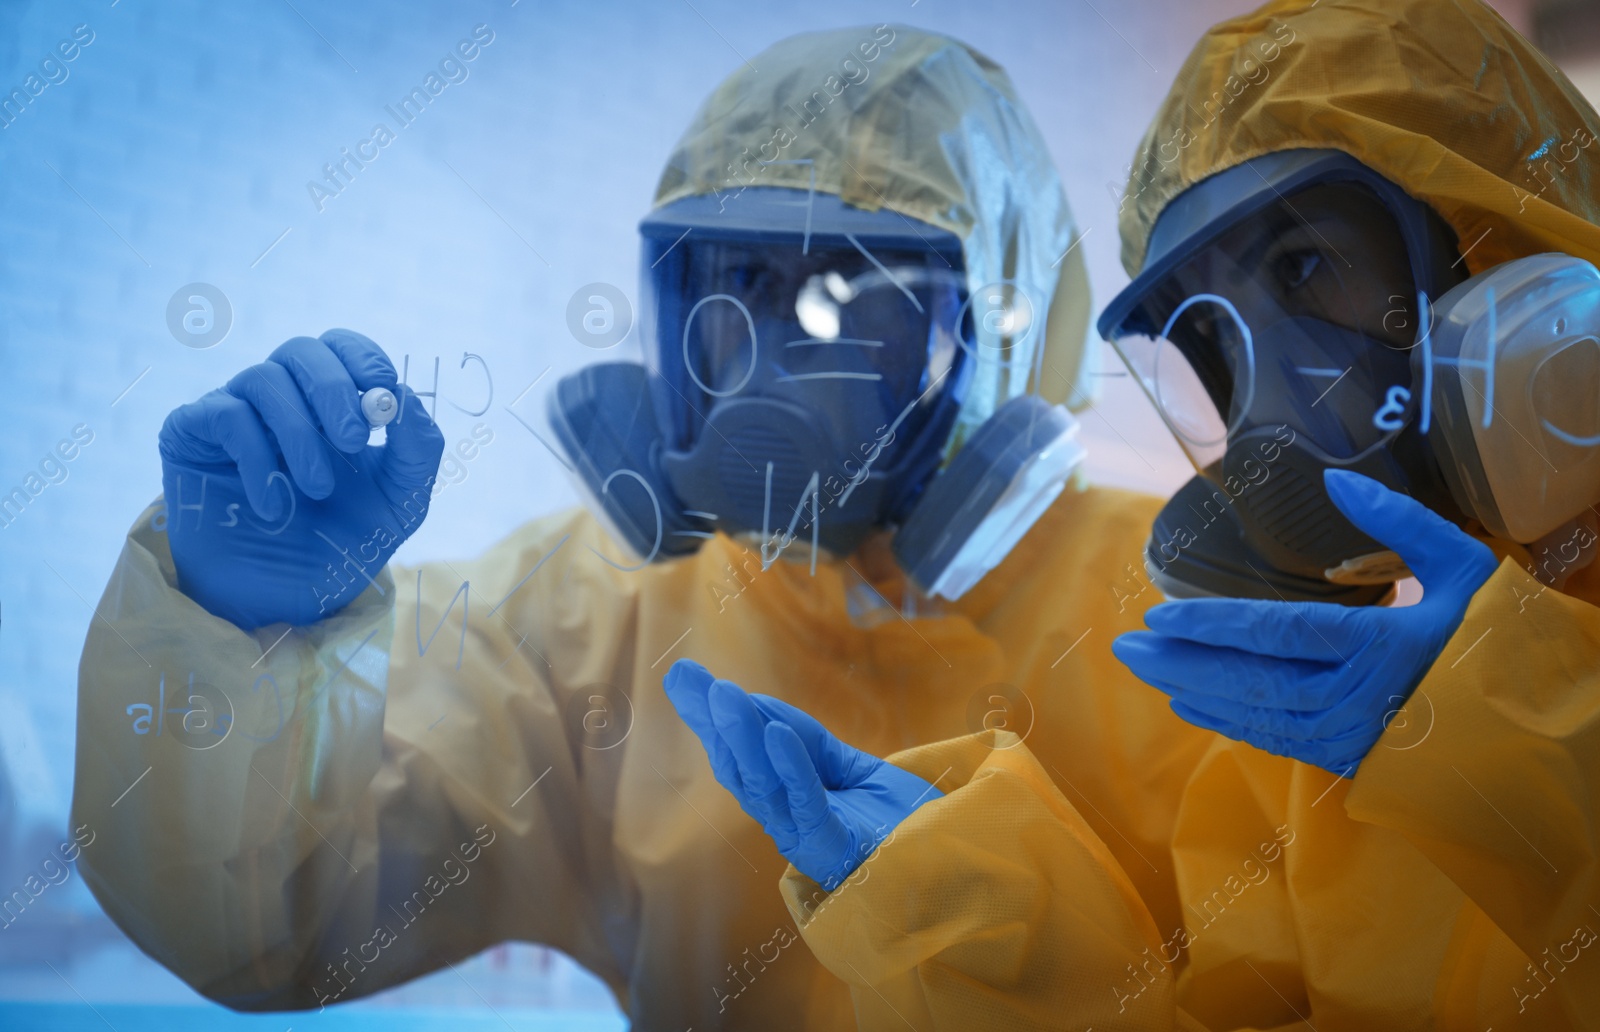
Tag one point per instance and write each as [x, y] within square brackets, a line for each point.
[278, 507]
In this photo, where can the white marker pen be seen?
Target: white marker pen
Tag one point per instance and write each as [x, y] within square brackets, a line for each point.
[379, 406]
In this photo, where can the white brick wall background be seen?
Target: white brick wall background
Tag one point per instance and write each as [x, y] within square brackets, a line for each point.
[178, 149]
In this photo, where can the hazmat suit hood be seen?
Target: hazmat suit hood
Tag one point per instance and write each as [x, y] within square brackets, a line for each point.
[1441, 97]
[893, 118]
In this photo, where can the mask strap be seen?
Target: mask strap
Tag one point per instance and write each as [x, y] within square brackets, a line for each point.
[1426, 311]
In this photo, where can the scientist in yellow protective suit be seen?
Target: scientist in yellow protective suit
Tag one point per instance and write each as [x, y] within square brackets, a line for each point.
[313, 775]
[1363, 237]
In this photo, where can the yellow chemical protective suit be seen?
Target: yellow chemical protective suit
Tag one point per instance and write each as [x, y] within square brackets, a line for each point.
[1454, 883]
[480, 751]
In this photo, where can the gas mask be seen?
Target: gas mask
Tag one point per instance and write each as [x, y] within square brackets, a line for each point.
[1274, 328]
[1300, 313]
[805, 364]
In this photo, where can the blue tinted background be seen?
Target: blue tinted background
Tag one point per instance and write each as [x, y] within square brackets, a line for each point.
[178, 149]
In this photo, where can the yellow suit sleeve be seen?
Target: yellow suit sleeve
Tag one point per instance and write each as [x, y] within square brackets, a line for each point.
[1503, 793]
[992, 907]
[270, 814]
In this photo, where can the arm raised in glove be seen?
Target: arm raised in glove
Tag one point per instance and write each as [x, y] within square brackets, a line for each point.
[1315, 681]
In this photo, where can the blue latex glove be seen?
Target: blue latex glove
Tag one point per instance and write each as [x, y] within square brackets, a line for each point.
[1314, 680]
[276, 506]
[826, 805]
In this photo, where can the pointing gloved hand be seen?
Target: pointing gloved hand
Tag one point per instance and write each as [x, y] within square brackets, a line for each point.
[1316, 681]
[826, 805]
[276, 506]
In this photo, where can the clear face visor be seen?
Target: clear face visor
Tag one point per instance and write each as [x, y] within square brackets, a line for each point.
[860, 335]
[1301, 316]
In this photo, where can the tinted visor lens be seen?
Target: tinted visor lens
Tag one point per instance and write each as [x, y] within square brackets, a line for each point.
[861, 335]
[1303, 315]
